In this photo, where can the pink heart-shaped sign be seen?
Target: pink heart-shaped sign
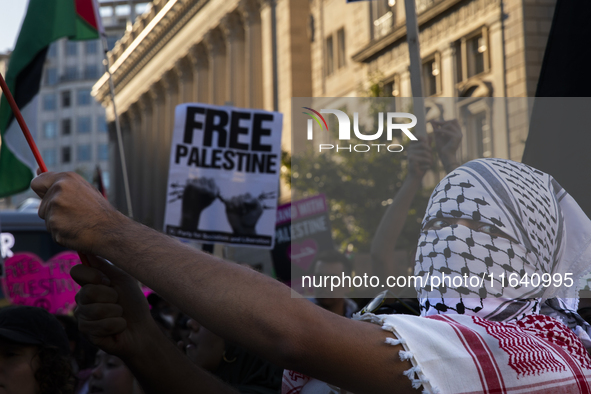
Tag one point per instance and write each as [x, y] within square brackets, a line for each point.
[303, 254]
[31, 281]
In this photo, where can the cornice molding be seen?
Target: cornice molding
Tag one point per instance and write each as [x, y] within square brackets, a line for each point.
[139, 46]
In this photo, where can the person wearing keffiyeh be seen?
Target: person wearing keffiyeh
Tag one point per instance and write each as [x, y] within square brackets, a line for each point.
[488, 216]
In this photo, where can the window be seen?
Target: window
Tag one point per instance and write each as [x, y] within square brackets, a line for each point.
[329, 56]
[91, 47]
[66, 126]
[50, 76]
[101, 124]
[341, 48]
[83, 97]
[103, 152]
[111, 41]
[66, 154]
[91, 71]
[392, 90]
[84, 125]
[49, 157]
[477, 124]
[49, 102]
[432, 76]
[382, 13]
[71, 48]
[71, 73]
[472, 55]
[84, 153]
[49, 129]
[52, 51]
[66, 99]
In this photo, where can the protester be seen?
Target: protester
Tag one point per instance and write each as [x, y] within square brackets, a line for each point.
[111, 376]
[537, 226]
[82, 353]
[234, 365]
[332, 262]
[34, 353]
[448, 137]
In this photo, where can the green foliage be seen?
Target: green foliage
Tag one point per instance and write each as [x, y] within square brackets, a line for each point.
[358, 186]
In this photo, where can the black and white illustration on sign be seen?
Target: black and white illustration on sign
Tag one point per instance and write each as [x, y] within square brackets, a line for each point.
[224, 175]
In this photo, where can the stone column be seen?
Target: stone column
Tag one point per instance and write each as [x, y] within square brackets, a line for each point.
[155, 128]
[170, 91]
[184, 73]
[217, 71]
[251, 15]
[267, 55]
[141, 155]
[149, 115]
[448, 71]
[200, 60]
[233, 29]
[117, 180]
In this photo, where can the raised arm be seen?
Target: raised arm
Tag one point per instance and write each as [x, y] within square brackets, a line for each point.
[234, 302]
[114, 314]
[392, 223]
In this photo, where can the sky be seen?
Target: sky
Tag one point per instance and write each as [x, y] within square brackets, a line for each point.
[12, 13]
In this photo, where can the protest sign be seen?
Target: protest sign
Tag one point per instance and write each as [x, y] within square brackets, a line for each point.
[302, 230]
[224, 175]
[30, 281]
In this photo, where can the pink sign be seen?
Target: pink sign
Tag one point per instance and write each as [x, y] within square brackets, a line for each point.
[31, 281]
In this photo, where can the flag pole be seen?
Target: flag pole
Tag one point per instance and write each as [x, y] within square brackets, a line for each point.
[107, 65]
[22, 124]
[412, 38]
[21, 121]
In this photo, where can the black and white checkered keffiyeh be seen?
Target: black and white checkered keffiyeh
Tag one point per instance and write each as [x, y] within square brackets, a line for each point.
[553, 236]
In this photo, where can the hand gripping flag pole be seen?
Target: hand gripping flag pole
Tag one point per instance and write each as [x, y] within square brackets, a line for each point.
[29, 138]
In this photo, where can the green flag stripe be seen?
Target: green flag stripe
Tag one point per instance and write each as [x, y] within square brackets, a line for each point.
[84, 31]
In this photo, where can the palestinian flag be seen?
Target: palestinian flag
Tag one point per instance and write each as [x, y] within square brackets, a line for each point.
[46, 21]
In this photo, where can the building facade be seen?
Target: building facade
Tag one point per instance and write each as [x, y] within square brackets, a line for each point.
[261, 53]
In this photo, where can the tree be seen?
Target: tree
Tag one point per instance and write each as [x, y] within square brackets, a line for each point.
[358, 186]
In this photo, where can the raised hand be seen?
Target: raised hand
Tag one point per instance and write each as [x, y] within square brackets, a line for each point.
[112, 310]
[419, 156]
[448, 137]
[198, 195]
[243, 211]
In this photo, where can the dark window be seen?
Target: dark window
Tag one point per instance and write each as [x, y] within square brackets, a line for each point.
[66, 126]
[342, 57]
[329, 56]
[66, 154]
[431, 76]
[66, 99]
[472, 55]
